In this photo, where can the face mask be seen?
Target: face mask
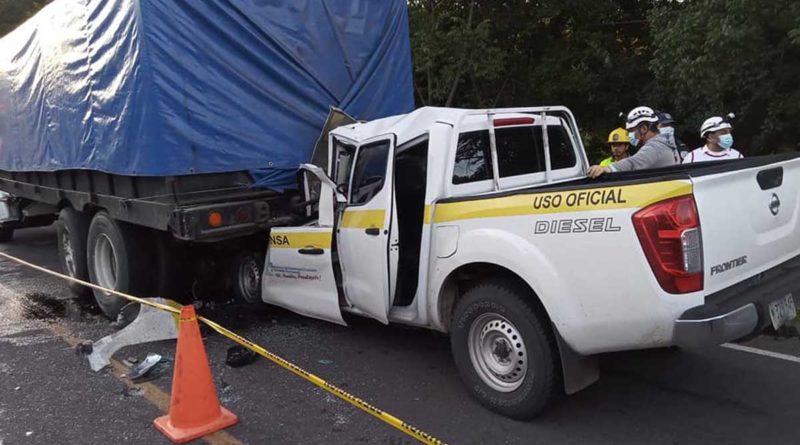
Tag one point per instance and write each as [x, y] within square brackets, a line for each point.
[725, 141]
[666, 130]
[633, 139]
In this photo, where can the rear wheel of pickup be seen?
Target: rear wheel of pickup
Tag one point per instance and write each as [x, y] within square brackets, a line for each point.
[504, 350]
[117, 255]
[6, 234]
[72, 227]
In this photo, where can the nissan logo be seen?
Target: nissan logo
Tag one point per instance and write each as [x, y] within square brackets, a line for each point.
[774, 204]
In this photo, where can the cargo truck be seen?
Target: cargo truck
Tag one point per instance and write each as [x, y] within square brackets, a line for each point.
[164, 137]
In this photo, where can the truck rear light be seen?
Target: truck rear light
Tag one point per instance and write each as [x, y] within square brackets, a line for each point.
[669, 232]
[215, 219]
[244, 214]
[508, 121]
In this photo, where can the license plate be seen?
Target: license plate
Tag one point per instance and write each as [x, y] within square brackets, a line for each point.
[782, 310]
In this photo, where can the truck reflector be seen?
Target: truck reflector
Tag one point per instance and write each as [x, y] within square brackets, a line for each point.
[669, 232]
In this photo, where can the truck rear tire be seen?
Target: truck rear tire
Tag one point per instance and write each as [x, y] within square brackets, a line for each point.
[117, 255]
[6, 235]
[72, 228]
[504, 350]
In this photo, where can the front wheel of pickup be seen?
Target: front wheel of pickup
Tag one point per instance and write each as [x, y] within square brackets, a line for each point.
[116, 254]
[504, 350]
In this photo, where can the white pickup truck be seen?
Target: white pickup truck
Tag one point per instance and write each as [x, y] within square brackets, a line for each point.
[482, 224]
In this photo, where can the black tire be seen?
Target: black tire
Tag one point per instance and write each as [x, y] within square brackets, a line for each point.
[6, 235]
[246, 270]
[521, 334]
[117, 254]
[171, 271]
[72, 228]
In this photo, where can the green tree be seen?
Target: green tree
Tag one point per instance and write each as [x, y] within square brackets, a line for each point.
[453, 52]
[590, 56]
[14, 12]
[715, 56]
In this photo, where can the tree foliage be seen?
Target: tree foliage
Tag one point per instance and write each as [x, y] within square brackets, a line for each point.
[586, 55]
[715, 56]
[14, 12]
[696, 59]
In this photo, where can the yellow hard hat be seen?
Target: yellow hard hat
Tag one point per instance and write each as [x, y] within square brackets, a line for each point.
[619, 135]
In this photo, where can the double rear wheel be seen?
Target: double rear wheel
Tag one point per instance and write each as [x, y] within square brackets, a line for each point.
[117, 258]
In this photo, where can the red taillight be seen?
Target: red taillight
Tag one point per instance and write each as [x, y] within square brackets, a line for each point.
[507, 121]
[669, 232]
[243, 214]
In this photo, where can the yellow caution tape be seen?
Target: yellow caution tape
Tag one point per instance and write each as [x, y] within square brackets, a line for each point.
[387, 418]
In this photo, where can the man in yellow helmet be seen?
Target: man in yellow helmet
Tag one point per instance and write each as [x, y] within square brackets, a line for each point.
[619, 143]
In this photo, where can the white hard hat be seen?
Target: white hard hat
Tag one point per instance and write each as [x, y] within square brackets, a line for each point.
[639, 115]
[713, 124]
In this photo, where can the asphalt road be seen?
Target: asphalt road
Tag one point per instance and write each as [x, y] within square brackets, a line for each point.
[49, 395]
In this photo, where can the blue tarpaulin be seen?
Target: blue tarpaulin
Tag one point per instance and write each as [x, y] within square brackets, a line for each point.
[165, 87]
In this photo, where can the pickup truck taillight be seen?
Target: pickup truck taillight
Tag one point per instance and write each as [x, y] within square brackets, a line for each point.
[669, 232]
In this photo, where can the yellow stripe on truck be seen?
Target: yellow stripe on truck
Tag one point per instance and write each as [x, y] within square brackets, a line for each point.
[363, 219]
[299, 240]
[428, 216]
[606, 198]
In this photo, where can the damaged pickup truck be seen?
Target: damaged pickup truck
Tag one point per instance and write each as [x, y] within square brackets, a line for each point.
[482, 224]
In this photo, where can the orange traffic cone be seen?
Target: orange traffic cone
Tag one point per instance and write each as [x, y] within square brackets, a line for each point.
[194, 409]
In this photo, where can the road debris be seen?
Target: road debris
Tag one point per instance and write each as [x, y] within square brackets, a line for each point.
[126, 315]
[149, 326]
[239, 356]
[143, 368]
[132, 392]
[84, 348]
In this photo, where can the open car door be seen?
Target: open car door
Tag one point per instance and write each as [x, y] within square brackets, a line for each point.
[298, 271]
[367, 230]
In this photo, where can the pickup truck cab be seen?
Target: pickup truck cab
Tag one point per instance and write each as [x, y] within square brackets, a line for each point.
[482, 224]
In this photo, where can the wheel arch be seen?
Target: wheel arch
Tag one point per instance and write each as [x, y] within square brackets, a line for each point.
[467, 275]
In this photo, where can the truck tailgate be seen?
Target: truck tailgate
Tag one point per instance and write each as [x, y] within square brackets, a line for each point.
[749, 220]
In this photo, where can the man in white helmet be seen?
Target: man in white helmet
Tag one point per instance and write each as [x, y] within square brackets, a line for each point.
[717, 132]
[657, 150]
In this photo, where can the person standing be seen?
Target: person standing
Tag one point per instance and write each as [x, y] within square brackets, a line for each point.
[666, 125]
[718, 133]
[657, 150]
[619, 144]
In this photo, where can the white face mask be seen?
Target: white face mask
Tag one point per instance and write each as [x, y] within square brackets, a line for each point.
[667, 130]
[632, 138]
[725, 141]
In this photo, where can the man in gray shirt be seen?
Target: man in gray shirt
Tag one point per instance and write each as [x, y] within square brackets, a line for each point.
[658, 150]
